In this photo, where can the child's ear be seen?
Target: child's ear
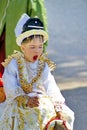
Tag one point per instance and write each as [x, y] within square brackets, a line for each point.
[22, 48]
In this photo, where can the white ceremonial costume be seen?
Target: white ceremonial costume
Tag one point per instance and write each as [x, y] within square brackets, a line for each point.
[16, 117]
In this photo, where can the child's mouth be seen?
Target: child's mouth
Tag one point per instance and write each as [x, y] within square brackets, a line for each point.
[35, 57]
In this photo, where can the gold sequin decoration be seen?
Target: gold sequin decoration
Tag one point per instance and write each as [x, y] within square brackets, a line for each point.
[27, 87]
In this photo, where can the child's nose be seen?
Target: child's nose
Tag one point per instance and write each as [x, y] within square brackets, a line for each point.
[37, 50]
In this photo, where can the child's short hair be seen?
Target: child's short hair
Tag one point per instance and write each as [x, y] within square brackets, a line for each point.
[32, 37]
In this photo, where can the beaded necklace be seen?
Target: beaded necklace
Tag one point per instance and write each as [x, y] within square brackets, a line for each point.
[27, 87]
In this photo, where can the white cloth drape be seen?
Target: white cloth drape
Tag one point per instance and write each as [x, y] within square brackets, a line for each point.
[31, 118]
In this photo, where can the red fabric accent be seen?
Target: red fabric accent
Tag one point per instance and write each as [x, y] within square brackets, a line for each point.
[2, 54]
[55, 118]
[1, 83]
[64, 124]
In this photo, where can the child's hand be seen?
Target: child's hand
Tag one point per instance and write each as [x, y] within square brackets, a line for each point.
[33, 102]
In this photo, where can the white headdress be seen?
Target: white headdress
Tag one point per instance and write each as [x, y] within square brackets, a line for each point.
[32, 29]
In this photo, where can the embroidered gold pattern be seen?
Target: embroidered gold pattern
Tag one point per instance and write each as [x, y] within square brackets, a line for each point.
[27, 87]
[50, 63]
[22, 100]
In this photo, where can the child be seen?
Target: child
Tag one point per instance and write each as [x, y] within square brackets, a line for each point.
[33, 100]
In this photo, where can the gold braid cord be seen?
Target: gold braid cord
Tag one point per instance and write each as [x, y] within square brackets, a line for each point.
[50, 63]
[27, 87]
[16, 55]
[22, 100]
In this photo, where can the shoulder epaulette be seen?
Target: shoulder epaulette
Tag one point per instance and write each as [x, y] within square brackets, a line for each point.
[50, 63]
[16, 55]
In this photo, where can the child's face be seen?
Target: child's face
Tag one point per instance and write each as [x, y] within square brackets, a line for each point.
[32, 49]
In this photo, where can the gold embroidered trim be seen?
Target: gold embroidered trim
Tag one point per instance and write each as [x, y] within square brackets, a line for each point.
[43, 58]
[27, 87]
[22, 100]
[29, 33]
[50, 63]
[16, 54]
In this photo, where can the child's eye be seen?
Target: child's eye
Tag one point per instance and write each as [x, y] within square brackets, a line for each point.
[41, 47]
[32, 47]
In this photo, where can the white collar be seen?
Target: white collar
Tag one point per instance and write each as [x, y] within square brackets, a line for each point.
[32, 65]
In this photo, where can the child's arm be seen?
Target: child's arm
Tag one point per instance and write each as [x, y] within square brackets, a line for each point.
[10, 80]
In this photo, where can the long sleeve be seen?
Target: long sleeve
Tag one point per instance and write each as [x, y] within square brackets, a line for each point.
[10, 80]
[53, 90]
